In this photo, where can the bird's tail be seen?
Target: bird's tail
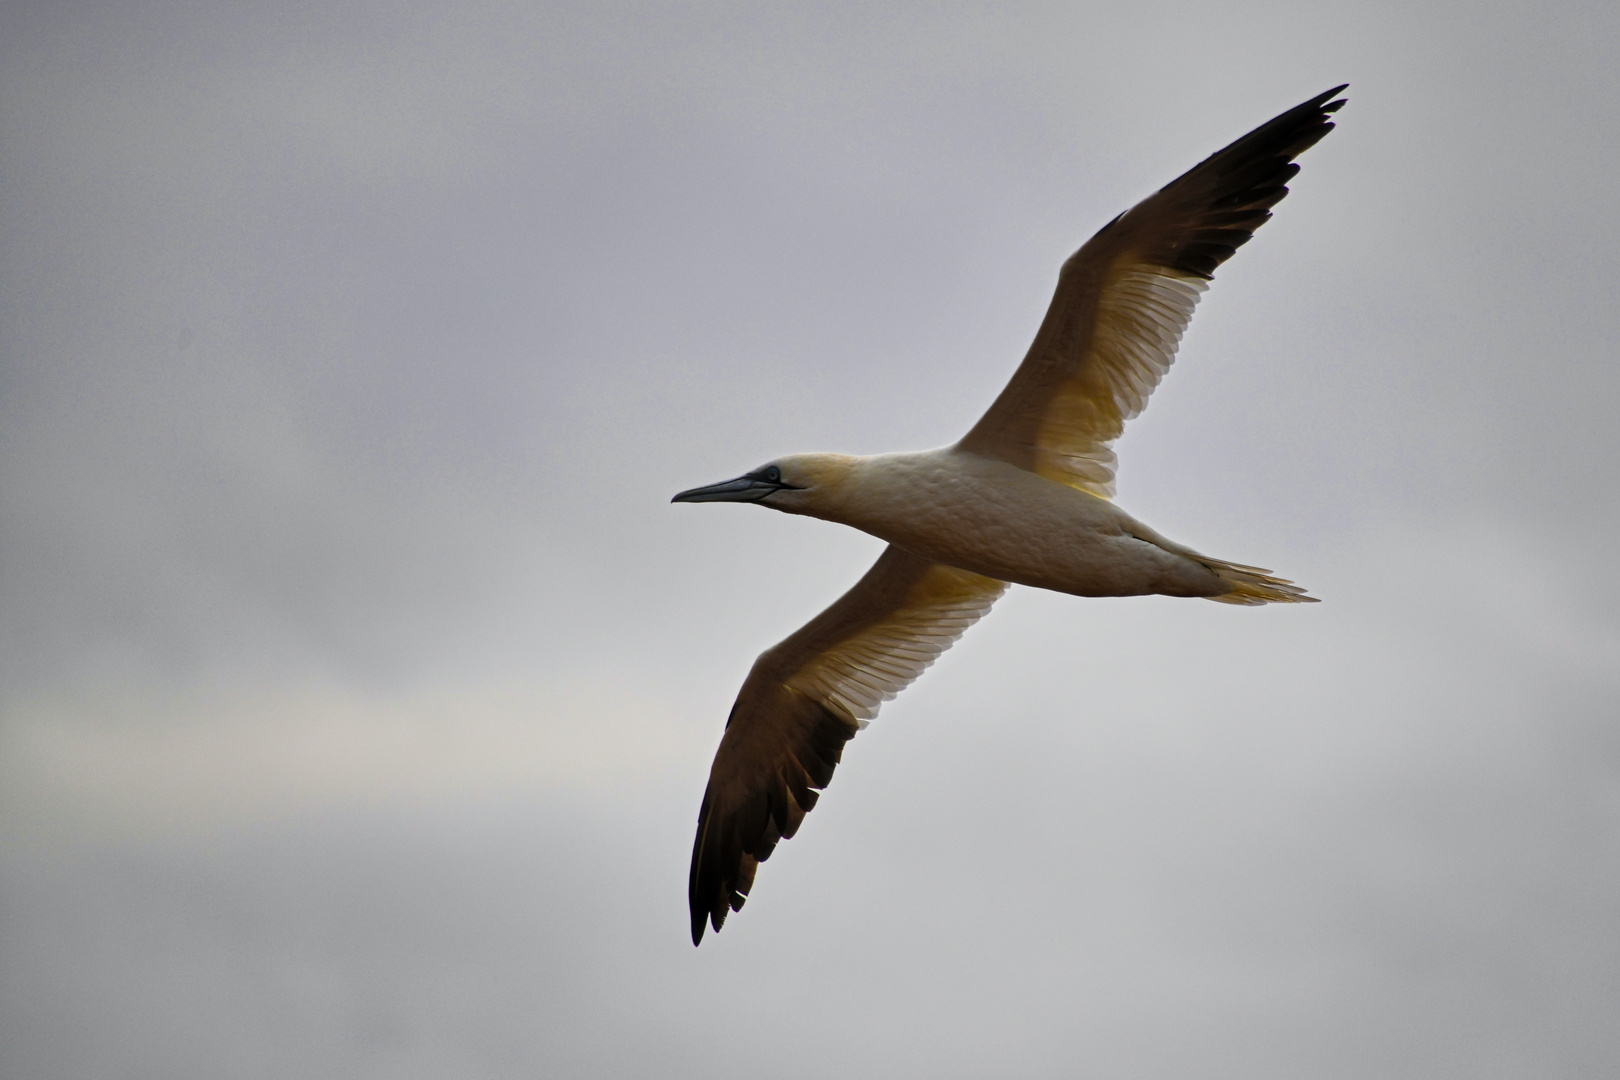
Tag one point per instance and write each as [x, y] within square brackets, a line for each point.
[1252, 585]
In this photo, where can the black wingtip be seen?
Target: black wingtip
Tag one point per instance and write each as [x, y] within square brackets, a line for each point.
[1321, 101]
[696, 895]
[1316, 106]
[1324, 105]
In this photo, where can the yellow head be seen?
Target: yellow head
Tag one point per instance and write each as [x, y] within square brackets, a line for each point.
[795, 484]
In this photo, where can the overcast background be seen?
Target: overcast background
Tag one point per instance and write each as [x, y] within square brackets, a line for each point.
[360, 684]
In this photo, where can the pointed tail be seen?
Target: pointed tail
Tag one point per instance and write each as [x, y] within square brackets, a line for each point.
[1252, 585]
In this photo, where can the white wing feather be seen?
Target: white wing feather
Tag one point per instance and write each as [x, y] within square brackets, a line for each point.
[1141, 315]
[857, 675]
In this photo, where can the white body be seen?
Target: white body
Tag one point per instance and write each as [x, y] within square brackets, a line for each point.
[984, 515]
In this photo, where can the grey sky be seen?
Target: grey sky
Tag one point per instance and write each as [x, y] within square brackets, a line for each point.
[359, 683]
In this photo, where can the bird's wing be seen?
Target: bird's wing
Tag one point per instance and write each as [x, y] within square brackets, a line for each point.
[804, 699]
[1124, 299]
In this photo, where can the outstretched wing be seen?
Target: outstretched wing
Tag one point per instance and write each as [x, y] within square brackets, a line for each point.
[1124, 299]
[804, 699]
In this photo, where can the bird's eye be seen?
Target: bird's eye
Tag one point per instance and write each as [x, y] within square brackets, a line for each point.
[773, 474]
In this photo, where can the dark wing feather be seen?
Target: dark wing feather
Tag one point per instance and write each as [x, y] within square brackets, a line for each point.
[1125, 298]
[808, 696]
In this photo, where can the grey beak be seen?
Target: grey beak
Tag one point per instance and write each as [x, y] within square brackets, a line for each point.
[742, 489]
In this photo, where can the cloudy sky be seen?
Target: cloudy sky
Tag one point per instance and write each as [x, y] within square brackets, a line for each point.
[358, 683]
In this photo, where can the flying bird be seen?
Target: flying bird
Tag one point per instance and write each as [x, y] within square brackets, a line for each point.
[1024, 497]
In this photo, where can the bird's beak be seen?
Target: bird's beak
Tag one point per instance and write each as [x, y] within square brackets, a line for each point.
[748, 488]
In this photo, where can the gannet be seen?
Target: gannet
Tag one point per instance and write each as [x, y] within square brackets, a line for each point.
[1025, 497]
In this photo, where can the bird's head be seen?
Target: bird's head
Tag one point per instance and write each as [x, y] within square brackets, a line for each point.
[795, 484]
